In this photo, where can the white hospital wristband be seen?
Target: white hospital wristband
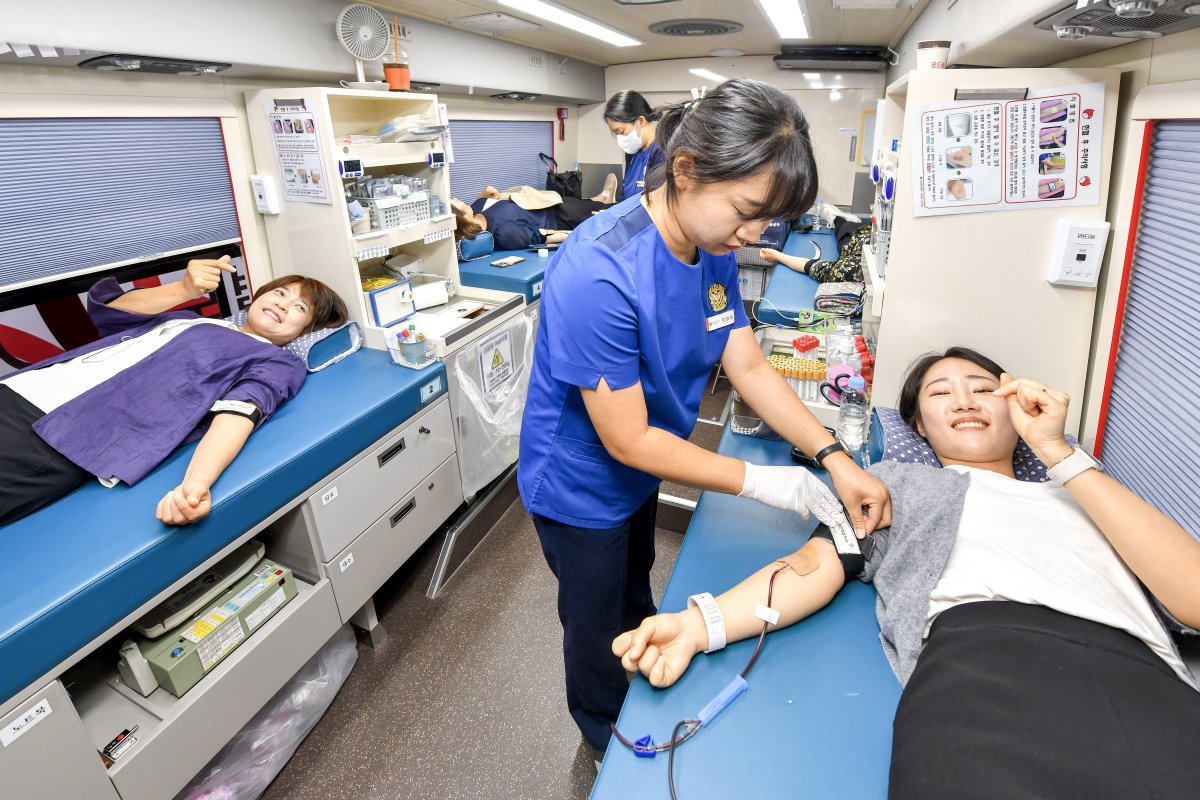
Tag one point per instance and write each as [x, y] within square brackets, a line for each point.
[713, 620]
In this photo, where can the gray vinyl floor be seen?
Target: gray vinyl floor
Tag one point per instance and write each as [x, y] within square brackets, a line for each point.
[465, 698]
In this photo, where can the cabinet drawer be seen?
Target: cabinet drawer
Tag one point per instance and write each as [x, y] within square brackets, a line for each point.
[45, 751]
[346, 505]
[359, 570]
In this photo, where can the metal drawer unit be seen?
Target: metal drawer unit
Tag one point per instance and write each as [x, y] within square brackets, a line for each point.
[348, 504]
[178, 736]
[358, 571]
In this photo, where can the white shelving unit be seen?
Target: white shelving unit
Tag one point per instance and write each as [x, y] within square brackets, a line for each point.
[315, 238]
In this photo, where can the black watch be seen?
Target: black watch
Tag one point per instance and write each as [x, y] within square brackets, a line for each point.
[828, 451]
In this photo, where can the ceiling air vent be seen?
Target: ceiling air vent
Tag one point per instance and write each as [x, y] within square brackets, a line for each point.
[1101, 19]
[836, 57]
[695, 27]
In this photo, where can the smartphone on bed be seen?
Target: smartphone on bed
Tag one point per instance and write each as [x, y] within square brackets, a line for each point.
[548, 246]
[507, 262]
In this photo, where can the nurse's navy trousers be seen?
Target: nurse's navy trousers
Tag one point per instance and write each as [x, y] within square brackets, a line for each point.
[603, 590]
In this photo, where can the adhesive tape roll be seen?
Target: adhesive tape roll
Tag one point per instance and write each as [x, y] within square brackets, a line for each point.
[427, 295]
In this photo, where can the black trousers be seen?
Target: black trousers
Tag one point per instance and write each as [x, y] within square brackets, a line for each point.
[573, 212]
[1018, 701]
[32, 473]
[603, 590]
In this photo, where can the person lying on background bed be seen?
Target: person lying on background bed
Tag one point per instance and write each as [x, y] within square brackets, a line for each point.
[516, 216]
[1027, 621]
[114, 409]
[852, 236]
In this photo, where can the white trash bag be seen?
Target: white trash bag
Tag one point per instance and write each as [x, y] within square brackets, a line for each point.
[491, 381]
[251, 760]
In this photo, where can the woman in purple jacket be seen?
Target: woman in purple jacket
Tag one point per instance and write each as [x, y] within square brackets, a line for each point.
[114, 409]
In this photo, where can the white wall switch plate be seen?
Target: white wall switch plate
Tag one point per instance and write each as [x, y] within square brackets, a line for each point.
[1078, 253]
[266, 196]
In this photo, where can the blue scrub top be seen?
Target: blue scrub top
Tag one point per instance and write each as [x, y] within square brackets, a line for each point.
[636, 167]
[617, 304]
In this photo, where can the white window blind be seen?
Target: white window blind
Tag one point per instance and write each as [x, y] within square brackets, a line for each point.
[82, 194]
[1151, 436]
[500, 153]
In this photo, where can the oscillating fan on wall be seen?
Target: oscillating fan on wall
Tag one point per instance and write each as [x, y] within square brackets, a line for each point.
[363, 32]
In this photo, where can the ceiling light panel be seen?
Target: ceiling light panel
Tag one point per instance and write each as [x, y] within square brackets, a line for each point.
[495, 23]
[708, 74]
[788, 17]
[873, 5]
[571, 21]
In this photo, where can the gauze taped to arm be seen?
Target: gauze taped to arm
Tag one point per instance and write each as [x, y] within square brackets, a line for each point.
[802, 561]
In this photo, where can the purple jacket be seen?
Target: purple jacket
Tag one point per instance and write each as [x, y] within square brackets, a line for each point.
[127, 425]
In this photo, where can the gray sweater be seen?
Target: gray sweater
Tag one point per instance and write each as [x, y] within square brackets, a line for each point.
[906, 560]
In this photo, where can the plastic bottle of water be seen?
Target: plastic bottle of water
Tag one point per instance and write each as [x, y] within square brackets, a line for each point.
[852, 414]
[818, 214]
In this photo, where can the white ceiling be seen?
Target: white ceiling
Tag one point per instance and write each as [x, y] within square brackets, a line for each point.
[827, 26]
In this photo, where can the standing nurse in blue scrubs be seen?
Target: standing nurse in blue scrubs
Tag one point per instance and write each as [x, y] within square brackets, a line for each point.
[631, 120]
[639, 304]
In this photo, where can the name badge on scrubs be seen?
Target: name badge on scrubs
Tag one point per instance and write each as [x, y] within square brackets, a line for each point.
[719, 320]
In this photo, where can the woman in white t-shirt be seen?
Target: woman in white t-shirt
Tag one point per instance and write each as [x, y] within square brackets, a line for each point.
[1021, 617]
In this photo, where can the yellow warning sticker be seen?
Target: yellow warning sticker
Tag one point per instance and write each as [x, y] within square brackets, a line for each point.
[198, 631]
[206, 625]
[496, 369]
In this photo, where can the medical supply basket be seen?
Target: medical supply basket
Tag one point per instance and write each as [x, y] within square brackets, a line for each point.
[396, 212]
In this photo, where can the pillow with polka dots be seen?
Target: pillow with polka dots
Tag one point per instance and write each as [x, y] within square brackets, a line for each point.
[304, 346]
[901, 443]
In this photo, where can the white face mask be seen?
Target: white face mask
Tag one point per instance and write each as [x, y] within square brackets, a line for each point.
[630, 142]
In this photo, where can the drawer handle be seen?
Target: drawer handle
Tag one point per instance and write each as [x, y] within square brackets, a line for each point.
[402, 513]
[423, 430]
[391, 452]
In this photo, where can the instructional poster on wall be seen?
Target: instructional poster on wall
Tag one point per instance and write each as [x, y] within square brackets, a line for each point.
[976, 157]
[298, 149]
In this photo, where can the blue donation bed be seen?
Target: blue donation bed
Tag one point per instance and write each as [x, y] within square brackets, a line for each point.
[524, 278]
[816, 720]
[788, 292]
[80, 566]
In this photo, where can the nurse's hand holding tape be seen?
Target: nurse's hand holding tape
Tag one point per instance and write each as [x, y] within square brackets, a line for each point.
[638, 306]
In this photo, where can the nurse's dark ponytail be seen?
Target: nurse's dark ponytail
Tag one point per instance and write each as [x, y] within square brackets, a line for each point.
[627, 106]
[733, 132]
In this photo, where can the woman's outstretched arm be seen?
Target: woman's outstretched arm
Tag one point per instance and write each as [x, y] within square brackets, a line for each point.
[202, 276]
[663, 645]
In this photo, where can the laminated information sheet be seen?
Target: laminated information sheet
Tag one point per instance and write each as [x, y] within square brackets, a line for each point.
[298, 148]
[974, 156]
